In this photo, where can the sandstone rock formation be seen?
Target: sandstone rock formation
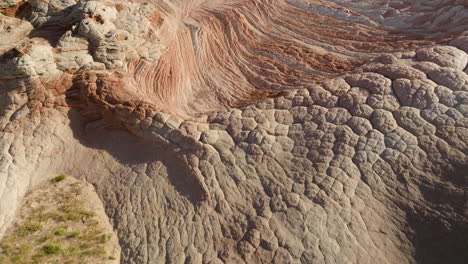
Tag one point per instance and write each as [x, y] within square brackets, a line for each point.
[246, 131]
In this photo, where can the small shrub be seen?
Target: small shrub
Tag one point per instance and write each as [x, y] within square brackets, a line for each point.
[74, 234]
[51, 248]
[59, 178]
[43, 239]
[112, 258]
[104, 238]
[84, 246]
[60, 232]
[5, 247]
[57, 217]
[29, 228]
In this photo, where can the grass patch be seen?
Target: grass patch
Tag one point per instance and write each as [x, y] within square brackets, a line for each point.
[42, 236]
[74, 234]
[60, 232]
[105, 238]
[29, 228]
[13, 252]
[42, 239]
[51, 248]
[71, 251]
[96, 251]
[59, 178]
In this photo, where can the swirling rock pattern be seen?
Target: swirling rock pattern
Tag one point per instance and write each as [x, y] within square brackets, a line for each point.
[239, 131]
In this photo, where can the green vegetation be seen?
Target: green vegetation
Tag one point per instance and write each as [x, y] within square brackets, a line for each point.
[58, 229]
[60, 232]
[43, 239]
[51, 248]
[74, 234]
[29, 228]
[59, 178]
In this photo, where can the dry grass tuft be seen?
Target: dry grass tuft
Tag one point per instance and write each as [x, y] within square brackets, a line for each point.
[58, 229]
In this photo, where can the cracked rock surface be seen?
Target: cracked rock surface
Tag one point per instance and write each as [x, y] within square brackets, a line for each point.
[286, 131]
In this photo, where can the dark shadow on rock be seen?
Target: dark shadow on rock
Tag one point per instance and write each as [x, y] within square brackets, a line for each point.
[60, 22]
[130, 150]
[441, 229]
[438, 240]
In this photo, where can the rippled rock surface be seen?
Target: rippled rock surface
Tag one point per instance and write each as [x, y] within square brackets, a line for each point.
[242, 131]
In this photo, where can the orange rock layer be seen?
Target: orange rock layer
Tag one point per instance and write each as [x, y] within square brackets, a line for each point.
[231, 53]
